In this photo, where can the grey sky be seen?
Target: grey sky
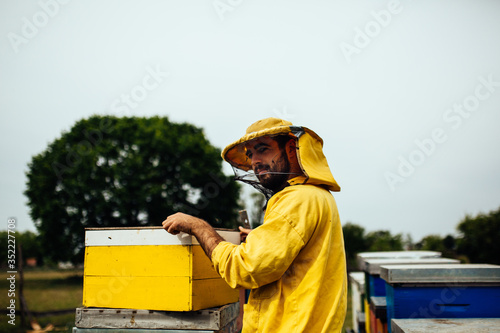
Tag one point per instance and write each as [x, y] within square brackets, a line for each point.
[377, 80]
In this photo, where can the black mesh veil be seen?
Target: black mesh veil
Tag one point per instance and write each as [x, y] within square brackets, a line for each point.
[249, 177]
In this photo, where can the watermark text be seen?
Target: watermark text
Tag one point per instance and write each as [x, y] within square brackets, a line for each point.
[11, 272]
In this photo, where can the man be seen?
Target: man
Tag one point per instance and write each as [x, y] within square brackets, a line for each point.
[294, 263]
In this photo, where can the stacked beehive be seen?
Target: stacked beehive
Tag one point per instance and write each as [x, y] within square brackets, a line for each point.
[131, 270]
[420, 284]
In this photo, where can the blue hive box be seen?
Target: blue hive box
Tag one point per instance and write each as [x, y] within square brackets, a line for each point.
[372, 284]
[449, 291]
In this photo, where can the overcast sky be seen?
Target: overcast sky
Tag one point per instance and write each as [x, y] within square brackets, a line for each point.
[405, 94]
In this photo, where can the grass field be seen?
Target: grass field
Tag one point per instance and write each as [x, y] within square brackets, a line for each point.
[50, 290]
[44, 290]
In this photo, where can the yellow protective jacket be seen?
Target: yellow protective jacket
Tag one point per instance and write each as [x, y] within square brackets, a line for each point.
[294, 263]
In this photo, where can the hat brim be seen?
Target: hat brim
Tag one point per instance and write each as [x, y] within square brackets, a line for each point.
[235, 153]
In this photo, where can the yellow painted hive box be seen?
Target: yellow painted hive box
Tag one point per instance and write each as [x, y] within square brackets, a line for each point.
[148, 268]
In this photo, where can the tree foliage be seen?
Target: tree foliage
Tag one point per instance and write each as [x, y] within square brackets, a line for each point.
[27, 240]
[446, 245]
[479, 238]
[477, 241]
[356, 241]
[431, 243]
[383, 240]
[116, 172]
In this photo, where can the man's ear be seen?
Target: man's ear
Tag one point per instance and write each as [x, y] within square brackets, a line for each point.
[291, 151]
[291, 148]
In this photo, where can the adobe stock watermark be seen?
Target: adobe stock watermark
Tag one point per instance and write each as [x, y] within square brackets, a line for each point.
[455, 116]
[30, 27]
[438, 305]
[11, 269]
[371, 30]
[129, 101]
[116, 285]
[225, 7]
[283, 113]
[210, 191]
[122, 104]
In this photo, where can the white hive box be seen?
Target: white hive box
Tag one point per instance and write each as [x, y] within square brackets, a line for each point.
[363, 256]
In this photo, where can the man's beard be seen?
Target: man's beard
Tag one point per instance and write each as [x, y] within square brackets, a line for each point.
[276, 175]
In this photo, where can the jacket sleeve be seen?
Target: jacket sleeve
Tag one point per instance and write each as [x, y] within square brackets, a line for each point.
[267, 253]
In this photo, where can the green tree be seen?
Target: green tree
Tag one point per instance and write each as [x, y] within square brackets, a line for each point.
[31, 246]
[437, 243]
[450, 244]
[29, 242]
[354, 242]
[479, 237]
[382, 240]
[431, 243]
[116, 172]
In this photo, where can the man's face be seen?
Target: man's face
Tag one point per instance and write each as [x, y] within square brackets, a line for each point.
[269, 163]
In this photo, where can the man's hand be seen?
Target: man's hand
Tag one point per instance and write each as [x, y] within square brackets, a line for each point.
[244, 233]
[180, 222]
[204, 233]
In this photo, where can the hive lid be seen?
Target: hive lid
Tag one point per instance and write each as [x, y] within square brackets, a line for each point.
[358, 278]
[147, 236]
[372, 266]
[361, 257]
[378, 301]
[451, 273]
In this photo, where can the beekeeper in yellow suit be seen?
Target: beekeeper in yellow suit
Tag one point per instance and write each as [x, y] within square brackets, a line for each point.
[294, 263]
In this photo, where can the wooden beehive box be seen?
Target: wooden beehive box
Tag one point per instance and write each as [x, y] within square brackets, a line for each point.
[447, 291]
[376, 285]
[357, 284]
[363, 256]
[148, 268]
[446, 325]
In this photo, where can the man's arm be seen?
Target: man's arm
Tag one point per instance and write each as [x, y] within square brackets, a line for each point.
[204, 233]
